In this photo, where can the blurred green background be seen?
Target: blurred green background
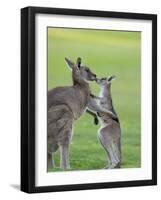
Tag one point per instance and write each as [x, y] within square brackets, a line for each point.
[106, 53]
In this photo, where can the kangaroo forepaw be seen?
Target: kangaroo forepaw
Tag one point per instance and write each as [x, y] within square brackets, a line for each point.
[95, 120]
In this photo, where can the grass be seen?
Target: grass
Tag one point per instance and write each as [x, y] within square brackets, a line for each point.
[106, 53]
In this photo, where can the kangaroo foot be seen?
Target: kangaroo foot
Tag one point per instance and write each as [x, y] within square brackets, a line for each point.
[113, 166]
[118, 165]
[64, 167]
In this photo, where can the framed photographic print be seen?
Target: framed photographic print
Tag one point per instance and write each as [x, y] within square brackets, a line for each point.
[88, 99]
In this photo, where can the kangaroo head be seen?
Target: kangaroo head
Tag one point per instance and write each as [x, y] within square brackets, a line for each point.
[105, 81]
[85, 73]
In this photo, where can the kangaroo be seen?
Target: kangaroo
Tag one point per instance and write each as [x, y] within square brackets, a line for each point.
[65, 105]
[110, 132]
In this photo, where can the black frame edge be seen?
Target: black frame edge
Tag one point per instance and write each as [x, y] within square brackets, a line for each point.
[154, 99]
[94, 13]
[93, 186]
[24, 100]
[27, 100]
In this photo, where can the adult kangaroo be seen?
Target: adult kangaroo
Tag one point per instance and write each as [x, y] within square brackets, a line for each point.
[66, 104]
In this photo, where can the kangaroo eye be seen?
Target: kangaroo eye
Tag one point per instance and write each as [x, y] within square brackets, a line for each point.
[87, 70]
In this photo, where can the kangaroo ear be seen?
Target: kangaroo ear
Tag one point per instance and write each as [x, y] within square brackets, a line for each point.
[111, 78]
[79, 62]
[70, 64]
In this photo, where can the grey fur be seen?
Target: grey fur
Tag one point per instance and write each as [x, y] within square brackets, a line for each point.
[110, 132]
[66, 104]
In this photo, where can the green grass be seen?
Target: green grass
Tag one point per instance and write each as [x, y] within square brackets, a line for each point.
[106, 53]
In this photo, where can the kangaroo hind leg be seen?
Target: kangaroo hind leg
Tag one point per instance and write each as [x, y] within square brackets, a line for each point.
[117, 149]
[114, 159]
[50, 160]
[64, 156]
[108, 144]
[64, 142]
[104, 146]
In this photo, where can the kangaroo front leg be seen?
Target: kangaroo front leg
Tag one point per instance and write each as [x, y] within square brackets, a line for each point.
[93, 105]
[95, 97]
[94, 115]
[64, 156]
[111, 114]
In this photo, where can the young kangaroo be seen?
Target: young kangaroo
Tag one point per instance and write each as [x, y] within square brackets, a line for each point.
[66, 104]
[109, 134]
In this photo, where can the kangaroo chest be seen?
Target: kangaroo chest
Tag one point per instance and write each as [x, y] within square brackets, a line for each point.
[79, 103]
